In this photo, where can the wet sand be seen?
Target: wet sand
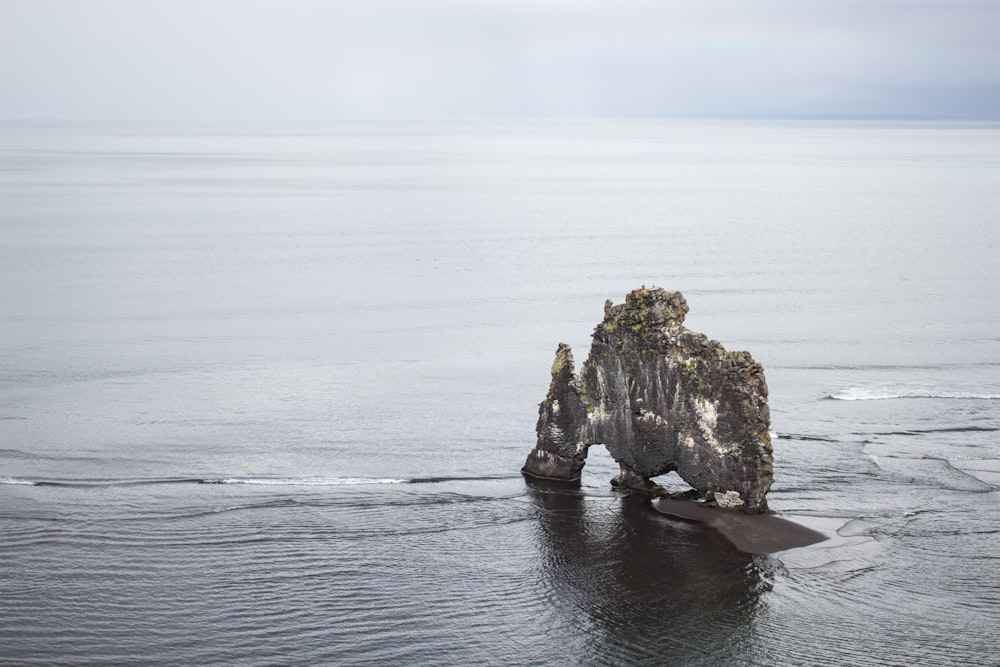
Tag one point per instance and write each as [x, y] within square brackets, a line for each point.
[755, 534]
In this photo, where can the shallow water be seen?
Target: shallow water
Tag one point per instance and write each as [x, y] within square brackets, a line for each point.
[266, 389]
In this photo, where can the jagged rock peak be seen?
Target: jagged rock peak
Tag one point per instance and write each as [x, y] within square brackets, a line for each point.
[648, 307]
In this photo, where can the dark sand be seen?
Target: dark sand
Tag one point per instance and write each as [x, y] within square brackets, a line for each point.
[752, 533]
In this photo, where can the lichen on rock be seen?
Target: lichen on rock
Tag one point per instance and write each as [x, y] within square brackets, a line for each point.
[661, 398]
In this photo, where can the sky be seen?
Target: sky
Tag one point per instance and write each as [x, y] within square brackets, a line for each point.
[495, 59]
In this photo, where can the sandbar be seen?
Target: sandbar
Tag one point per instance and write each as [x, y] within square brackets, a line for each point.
[751, 533]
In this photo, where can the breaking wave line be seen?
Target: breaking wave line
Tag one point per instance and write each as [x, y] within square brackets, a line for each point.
[892, 393]
[16, 481]
[306, 481]
[258, 481]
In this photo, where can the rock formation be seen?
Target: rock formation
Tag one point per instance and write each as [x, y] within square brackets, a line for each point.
[661, 398]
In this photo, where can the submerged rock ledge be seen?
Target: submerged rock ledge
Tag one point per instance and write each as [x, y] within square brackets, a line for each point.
[661, 398]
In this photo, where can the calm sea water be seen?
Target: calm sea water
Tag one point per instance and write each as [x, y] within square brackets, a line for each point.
[266, 389]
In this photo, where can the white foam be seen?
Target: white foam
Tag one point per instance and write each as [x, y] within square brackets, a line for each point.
[871, 457]
[307, 481]
[15, 481]
[886, 393]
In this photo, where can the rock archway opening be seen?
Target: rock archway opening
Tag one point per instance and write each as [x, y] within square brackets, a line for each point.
[600, 467]
[674, 485]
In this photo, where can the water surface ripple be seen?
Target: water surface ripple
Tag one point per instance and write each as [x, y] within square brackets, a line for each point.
[266, 389]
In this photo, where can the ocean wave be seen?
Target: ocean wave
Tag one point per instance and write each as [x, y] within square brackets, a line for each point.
[261, 481]
[270, 481]
[932, 431]
[892, 393]
[800, 436]
[889, 367]
[16, 482]
[460, 478]
[306, 481]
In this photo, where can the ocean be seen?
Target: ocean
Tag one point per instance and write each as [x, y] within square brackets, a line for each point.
[266, 388]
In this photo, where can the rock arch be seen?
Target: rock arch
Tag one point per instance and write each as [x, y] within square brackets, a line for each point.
[662, 398]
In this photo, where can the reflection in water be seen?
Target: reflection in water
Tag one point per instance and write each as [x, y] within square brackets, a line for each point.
[643, 588]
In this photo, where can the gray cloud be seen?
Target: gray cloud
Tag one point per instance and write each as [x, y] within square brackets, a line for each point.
[545, 58]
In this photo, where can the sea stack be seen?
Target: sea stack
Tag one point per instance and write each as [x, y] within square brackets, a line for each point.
[661, 398]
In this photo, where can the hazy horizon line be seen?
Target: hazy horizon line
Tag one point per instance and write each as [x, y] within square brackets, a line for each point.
[875, 117]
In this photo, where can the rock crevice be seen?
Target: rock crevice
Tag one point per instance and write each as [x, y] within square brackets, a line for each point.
[661, 398]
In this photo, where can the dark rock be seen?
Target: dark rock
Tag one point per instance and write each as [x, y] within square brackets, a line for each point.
[662, 398]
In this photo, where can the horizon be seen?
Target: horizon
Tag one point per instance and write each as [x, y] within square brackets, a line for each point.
[817, 118]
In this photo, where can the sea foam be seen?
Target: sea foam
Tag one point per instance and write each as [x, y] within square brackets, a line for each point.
[886, 393]
[306, 481]
[15, 481]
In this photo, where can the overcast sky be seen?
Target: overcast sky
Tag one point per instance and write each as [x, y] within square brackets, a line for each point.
[498, 58]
